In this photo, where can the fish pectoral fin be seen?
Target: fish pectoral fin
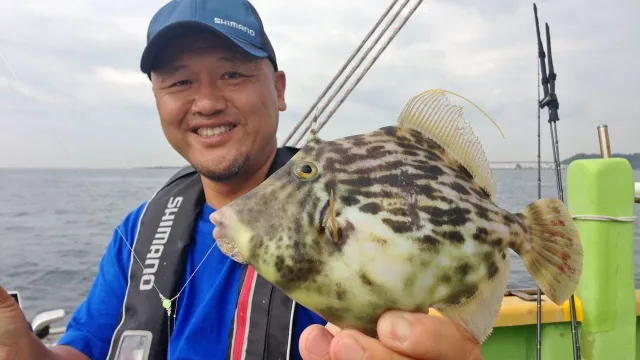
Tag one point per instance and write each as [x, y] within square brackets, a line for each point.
[330, 222]
[478, 314]
[332, 217]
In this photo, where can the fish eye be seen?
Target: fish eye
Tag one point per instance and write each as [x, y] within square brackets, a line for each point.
[305, 170]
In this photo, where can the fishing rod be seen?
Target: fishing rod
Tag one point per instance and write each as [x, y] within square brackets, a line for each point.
[538, 290]
[359, 62]
[344, 66]
[344, 81]
[366, 69]
[550, 101]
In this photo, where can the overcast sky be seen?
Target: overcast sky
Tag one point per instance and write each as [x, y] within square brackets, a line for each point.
[83, 102]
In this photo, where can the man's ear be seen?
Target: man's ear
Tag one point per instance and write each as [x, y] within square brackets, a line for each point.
[280, 82]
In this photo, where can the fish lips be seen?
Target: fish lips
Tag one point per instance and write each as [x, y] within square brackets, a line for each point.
[218, 229]
[216, 219]
[225, 241]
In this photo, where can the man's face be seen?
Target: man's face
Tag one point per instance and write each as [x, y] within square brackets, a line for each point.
[219, 109]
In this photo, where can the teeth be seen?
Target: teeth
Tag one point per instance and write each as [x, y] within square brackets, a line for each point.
[214, 131]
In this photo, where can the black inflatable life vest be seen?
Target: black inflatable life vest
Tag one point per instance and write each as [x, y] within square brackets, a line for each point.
[262, 324]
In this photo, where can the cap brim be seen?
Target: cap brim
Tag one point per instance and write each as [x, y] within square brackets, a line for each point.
[182, 28]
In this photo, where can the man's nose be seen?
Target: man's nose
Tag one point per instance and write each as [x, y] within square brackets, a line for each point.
[209, 99]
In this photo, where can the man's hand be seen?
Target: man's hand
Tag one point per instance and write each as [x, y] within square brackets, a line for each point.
[14, 328]
[402, 336]
[17, 342]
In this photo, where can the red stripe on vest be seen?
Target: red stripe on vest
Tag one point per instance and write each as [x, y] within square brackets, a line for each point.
[242, 314]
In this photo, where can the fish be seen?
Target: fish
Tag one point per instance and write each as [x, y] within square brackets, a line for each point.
[403, 217]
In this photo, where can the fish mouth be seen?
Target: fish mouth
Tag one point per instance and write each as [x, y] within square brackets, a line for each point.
[224, 222]
[219, 230]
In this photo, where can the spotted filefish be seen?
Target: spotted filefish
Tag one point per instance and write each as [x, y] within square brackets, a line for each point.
[403, 217]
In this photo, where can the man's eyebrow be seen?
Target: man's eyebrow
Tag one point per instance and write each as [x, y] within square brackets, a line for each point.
[236, 58]
[170, 69]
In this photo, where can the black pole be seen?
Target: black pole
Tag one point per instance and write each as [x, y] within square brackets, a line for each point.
[538, 290]
[550, 101]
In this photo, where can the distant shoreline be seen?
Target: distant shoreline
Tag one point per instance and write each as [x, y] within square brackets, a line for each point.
[634, 160]
[159, 167]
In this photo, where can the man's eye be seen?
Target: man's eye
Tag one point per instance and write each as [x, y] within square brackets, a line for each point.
[181, 82]
[231, 75]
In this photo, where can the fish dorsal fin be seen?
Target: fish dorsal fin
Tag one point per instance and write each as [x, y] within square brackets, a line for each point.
[433, 115]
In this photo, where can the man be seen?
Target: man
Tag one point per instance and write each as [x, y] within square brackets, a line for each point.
[218, 92]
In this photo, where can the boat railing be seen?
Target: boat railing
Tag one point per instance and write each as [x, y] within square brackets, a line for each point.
[41, 324]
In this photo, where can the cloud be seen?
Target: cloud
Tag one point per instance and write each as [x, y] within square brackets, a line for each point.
[81, 100]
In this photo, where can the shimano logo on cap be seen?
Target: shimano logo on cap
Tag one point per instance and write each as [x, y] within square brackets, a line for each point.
[235, 25]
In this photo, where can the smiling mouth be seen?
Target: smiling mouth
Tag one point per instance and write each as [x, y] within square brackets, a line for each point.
[214, 131]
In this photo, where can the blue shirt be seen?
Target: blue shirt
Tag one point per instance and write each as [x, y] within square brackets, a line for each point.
[205, 309]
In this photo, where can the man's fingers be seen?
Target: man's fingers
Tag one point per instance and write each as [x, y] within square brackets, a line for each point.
[402, 336]
[354, 345]
[422, 336]
[332, 328]
[315, 342]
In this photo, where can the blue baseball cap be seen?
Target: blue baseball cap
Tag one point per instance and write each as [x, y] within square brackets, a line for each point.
[234, 20]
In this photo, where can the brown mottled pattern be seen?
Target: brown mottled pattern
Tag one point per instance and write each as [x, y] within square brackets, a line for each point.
[392, 187]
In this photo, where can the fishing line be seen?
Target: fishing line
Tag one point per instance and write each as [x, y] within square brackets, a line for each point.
[166, 302]
[95, 197]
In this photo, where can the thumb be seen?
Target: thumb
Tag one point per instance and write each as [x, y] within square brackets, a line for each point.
[8, 303]
[11, 314]
[14, 328]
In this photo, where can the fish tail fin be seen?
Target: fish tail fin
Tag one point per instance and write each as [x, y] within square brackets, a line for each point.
[553, 251]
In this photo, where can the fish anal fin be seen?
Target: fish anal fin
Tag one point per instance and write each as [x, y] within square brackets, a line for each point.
[435, 117]
[478, 315]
